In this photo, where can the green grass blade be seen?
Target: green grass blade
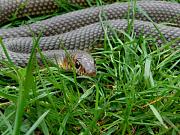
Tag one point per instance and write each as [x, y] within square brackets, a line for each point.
[36, 124]
[158, 116]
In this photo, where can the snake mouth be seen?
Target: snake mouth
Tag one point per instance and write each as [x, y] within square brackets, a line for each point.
[83, 72]
[93, 74]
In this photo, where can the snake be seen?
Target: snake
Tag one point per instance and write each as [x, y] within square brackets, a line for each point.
[67, 39]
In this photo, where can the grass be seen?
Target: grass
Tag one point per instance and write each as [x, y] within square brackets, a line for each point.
[136, 91]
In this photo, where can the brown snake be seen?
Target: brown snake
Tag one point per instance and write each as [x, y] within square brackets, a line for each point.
[83, 29]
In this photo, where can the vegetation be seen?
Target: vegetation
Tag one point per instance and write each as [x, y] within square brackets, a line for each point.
[136, 91]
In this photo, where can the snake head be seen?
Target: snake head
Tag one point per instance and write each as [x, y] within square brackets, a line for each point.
[82, 61]
[68, 60]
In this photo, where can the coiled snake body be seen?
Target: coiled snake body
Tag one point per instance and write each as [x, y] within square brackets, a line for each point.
[83, 29]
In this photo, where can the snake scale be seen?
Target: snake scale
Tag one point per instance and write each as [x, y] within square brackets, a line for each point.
[83, 29]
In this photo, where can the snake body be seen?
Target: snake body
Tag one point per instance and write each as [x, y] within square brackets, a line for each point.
[83, 29]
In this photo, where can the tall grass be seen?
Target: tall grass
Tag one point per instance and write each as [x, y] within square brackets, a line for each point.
[136, 91]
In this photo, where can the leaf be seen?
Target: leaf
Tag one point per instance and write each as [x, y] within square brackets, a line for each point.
[36, 124]
[158, 116]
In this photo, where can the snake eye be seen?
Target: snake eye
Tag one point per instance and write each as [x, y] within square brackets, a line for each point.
[77, 64]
